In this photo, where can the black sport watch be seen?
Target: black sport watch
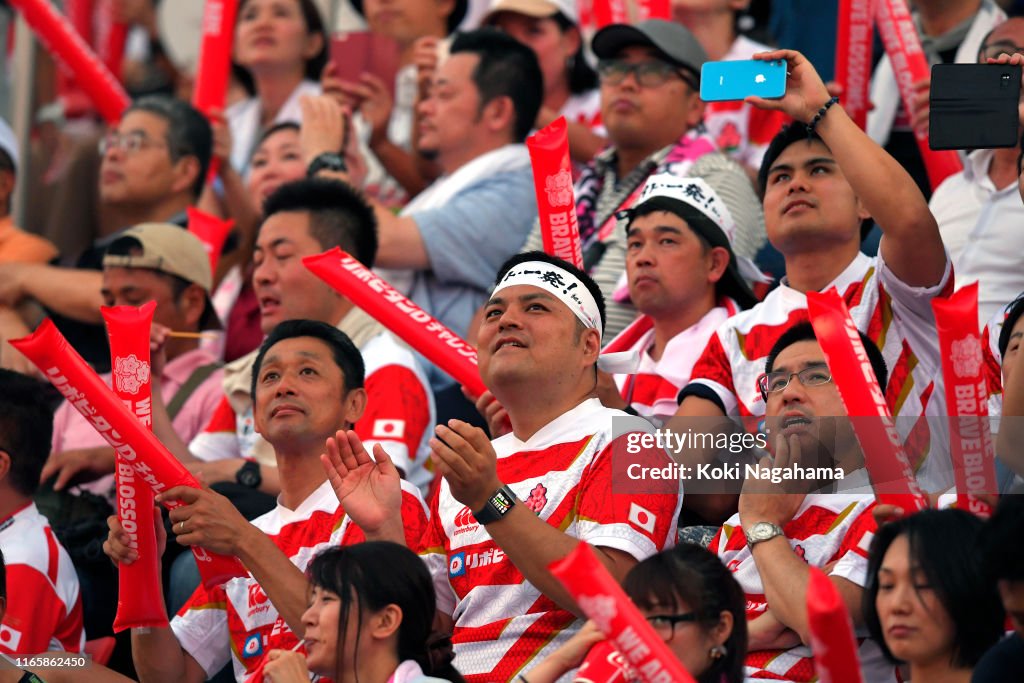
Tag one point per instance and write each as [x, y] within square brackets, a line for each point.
[328, 161]
[497, 506]
[249, 474]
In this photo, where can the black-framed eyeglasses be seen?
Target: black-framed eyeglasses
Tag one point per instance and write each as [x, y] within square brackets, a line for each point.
[993, 50]
[665, 624]
[129, 143]
[649, 74]
[774, 382]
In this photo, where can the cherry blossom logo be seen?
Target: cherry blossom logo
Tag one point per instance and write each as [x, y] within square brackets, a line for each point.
[559, 188]
[600, 608]
[967, 356]
[538, 498]
[130, 374]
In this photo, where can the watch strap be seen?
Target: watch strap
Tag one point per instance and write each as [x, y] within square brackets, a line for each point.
[497, 506]
[331, 161]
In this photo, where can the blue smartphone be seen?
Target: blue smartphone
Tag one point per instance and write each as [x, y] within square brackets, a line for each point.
[735, 80]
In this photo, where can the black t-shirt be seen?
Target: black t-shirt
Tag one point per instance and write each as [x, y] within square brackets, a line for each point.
[1004, 662]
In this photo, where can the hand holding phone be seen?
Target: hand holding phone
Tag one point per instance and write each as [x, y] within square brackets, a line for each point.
[739, 79]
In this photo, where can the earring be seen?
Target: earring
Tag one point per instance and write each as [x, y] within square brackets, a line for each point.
[717, 652]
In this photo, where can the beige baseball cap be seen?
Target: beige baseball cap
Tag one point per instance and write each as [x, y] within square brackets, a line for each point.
[534, 8]
[170, 249]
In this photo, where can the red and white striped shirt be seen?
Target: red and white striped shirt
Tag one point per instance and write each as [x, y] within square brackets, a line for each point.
[503, 624]
[827, 528]
[897, 317]
[44, 605]
[236, 621]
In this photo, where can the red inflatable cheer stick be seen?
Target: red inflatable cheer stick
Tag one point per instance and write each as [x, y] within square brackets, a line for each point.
[152, 462]
[211, 231]
[835, 650]
[896, 27]
[604, 602]
[63, 41]
[854, 38]
[211, 86]
[139, 599]
[406, 320]
[556, 203]
[963, 369]
[886, 461]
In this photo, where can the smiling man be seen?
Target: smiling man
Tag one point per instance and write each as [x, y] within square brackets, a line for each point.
[307, 382]
[773, 540]
[509, 508]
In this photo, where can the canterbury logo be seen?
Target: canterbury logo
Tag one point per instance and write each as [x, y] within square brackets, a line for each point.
[464, 517]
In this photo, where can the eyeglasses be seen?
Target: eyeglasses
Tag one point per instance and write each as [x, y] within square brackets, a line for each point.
[993, 50]
[774, 382]
[649, 74]
[665, 624]
[129, 143]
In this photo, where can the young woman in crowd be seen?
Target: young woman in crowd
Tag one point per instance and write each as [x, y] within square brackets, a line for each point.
[693, 603]
[369, 619]
[927, 602]
[549, 28]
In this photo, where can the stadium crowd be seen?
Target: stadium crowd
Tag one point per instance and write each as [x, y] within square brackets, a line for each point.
[395, 526]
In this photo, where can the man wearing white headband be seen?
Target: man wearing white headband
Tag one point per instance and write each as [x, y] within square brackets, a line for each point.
[685, 280]
[508, 508]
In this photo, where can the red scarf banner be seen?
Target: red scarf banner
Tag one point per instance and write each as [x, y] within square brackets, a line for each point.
[601, 598]
[887, 463]
[552, 181]
[139, 597]
[963, 372]
[832, 642]
[605, 12]
[89, 395]
[62, 41]
[214, 68]
[854, 38]
[896, 28]
[393, 310]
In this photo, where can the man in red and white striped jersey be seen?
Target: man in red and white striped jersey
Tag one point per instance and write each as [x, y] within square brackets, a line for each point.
[44, 605]
[685, 280]
[507, 509]
[307, 383]
[773, 540]
[304, 218]
[820, 182]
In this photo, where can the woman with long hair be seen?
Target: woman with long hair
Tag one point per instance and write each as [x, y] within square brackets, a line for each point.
[693, 603]
[369, 619]
[928, 603]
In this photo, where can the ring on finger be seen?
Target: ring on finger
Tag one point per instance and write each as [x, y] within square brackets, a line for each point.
[181, 527]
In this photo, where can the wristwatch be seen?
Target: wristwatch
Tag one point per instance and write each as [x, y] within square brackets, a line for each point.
[249, 474]
[497, 506]
[329, 161]
[762, 531]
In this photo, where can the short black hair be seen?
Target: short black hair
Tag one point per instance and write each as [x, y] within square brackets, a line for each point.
[507, 68]
[942, 545]
[314, 67]
[339, 215]
[276, 128]
[26, 428]
[188, 131]
[694, 575]
[999, 544]
[789, 134]
[1014, 310]
[805, 332]
[587, 281]
[346, 355]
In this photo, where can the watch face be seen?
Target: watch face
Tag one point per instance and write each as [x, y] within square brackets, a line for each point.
[249, 475]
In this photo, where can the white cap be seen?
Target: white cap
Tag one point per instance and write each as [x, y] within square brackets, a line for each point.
[534, 8]
[9, 143]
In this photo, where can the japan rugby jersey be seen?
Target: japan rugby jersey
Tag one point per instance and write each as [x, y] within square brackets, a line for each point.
[503, 625]
[44, 606]
[399, 414]
[235, 621]
[898, 318]
[826, 528]
[653, 388]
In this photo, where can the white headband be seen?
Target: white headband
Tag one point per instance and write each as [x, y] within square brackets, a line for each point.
[568, 289]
